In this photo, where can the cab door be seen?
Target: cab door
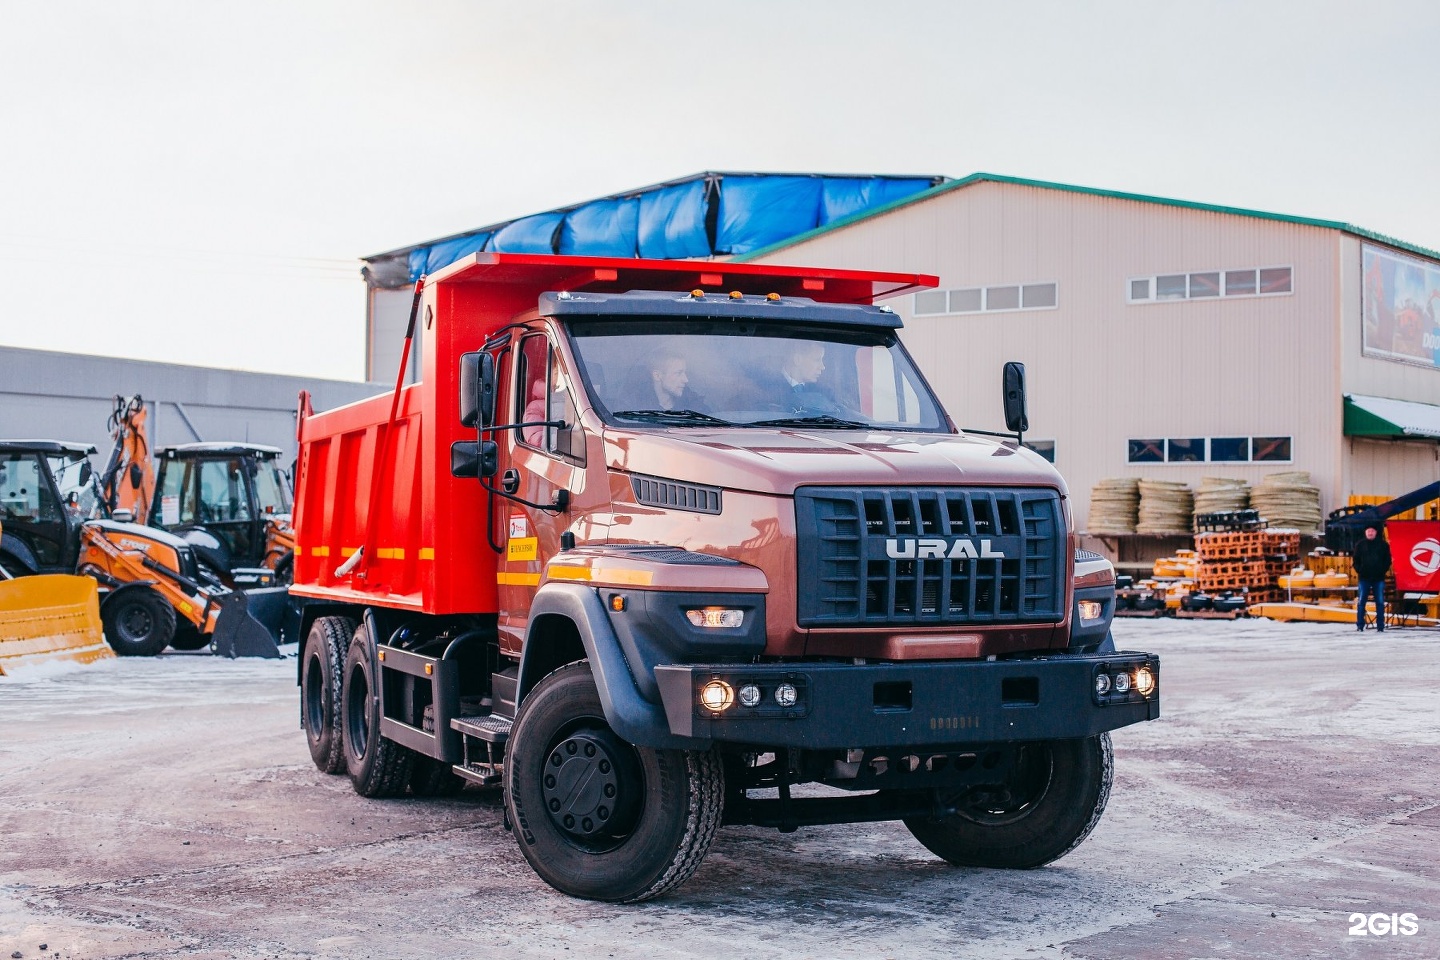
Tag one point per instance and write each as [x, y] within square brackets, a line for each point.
[536, 462]
[33, 521]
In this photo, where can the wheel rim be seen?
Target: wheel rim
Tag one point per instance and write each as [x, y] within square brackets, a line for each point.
[135, 623]
[591, 786]
[1024, 788]
[314, 697]
[357, 713]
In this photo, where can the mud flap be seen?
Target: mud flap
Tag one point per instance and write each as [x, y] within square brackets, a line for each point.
[49, 618]
[251, 624]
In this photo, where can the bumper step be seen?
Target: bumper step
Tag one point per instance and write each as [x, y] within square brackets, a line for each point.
[490, 728]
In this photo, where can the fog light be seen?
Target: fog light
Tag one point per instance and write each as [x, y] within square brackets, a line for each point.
[785, 695]
[1091, 609]
[715, 617]
[750, 695]
[1122, 683]
[716, 695]
[1144, 682]
[1102, 684]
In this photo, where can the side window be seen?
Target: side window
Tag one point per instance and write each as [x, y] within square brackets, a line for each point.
[547, 396]
[222, 492]
[24, 492]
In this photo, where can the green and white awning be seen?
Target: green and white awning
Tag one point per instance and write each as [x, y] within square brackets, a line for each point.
[1383, 417]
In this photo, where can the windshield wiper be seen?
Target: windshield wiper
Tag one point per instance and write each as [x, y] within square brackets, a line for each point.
[672, 416]
[819, 420]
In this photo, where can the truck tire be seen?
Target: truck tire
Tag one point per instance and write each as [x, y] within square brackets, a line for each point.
[187, 637]
[138, 622]
[640, 823]
[434, 778]
[1057, 796]
[377, 767]
[321, 674]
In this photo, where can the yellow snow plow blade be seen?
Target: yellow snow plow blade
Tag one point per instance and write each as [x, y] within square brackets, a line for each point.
[48, 618]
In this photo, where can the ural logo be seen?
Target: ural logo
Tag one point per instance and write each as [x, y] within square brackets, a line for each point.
[927, 548]
[1425, 557]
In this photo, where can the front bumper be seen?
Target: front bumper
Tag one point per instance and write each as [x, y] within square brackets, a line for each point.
[840, 705]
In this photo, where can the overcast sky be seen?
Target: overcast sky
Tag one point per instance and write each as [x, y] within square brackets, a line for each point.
[194, 182]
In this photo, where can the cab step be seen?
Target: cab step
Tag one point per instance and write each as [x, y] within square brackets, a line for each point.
[490, 728]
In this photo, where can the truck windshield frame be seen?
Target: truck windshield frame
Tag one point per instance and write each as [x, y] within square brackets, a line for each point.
[711, 373]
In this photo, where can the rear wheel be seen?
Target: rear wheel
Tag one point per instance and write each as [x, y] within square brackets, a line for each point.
[138, 622]
[321, 674]
[377, 767]
[1050, 803]
[595, 816]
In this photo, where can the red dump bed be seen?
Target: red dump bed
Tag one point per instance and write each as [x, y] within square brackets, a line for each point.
[429, 547]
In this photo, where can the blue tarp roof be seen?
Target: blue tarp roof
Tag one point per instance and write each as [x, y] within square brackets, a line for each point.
[706, 215]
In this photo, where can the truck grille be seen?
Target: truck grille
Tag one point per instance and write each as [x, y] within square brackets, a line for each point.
[929, 556]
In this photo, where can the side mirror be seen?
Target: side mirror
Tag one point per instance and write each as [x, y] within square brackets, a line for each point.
[1013, 379]
[474, 458]
[86, 472]
[477, 389]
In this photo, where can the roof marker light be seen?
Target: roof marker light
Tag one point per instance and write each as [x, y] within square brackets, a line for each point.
[697, 293]
[772, 297]
[736, 294]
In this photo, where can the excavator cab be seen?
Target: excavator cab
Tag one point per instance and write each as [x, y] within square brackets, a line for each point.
[231, 502]
[48, 489]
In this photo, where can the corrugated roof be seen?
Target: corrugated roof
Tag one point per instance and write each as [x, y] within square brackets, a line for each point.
[1092, 191]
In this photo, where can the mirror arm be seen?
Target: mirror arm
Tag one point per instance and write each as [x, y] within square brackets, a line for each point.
[558, 505]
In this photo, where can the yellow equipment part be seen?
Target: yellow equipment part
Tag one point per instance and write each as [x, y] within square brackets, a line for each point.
[50, 618]
[1329, 613]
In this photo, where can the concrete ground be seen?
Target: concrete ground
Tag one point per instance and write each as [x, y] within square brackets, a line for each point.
[168, 808]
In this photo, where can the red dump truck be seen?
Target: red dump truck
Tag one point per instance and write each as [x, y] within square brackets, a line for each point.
[654, 545]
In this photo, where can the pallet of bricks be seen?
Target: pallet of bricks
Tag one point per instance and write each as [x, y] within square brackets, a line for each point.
[1245, 561]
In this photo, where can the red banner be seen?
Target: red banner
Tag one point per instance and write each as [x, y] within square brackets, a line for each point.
[1415, 553]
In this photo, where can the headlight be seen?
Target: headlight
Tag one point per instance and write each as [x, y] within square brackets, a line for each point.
[1144, 682]
[750, 695]
[716, 617]
[1122, 683]
[716, 695]
[1102, 684]
[786, 695]
[1091, 609]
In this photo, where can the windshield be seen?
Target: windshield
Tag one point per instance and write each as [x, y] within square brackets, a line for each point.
[272, 490]
[79, 490]
[708, 373]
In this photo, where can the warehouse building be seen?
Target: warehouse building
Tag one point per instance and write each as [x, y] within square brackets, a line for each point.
[1163, 338]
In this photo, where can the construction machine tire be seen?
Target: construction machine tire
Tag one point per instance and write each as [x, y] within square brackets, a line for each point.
[434, 778]
[597, 817]
[187, 637]
[138, 622]
[378, 767]
[285, 569]
[1053, 799]
[321, 674]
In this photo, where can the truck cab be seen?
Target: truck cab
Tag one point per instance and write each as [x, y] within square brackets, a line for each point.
[651, 544]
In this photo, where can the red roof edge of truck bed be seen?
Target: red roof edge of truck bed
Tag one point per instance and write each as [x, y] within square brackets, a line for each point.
[542, 273]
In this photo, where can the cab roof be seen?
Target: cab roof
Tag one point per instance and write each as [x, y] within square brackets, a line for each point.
[46, 446]
[194, 451]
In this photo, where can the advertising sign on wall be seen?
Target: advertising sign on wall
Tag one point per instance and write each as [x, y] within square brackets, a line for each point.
[1415, 554]
[1402, 307]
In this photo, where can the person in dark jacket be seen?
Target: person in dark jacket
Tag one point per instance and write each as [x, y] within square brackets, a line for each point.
[1371, 558]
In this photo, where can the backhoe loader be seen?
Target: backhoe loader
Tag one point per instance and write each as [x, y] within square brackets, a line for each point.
[154, 591]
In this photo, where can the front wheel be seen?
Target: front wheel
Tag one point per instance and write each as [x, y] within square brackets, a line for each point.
[597, 817]
[138, 622]
[1051, 801]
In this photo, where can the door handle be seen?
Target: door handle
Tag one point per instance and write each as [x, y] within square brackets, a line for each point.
[510, 480]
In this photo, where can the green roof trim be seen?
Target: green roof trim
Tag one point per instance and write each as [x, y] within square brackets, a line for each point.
[1383, 417]
[924, 195]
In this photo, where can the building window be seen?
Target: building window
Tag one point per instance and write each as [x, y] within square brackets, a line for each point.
[1002, 298]
[1211, 450]
[1211, 284]
[1147, 451]
[1187, 450]
[1046, 448]
[1272, 449]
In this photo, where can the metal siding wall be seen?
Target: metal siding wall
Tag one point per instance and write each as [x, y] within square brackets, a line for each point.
[69, 397]
[1102, 371]
[1390, 467]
